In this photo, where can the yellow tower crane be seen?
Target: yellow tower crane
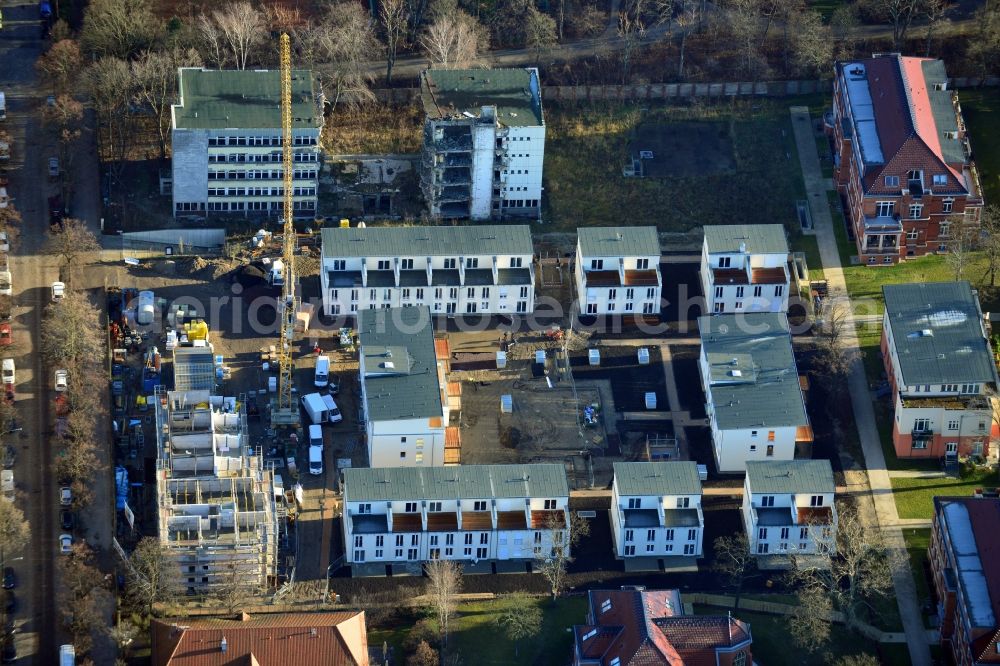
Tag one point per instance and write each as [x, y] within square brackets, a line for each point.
[285, 412]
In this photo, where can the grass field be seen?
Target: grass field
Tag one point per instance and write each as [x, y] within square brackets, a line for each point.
[915, 497]
[981, 108]
[917, 542]
[587, 146]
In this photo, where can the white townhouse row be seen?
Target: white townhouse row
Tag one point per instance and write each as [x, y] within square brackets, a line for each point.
[656, 510]
[789, 509]
[618, 271]
[744, 268]
[480, 515]
[483, 269]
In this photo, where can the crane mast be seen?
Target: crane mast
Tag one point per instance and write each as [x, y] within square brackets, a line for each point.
[285, 412]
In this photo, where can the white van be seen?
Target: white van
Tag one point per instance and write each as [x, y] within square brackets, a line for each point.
[6, 286]
[8, 371]
[316, 435]
[322, 376]
[333, 414]
[316, 460]
[315, 408]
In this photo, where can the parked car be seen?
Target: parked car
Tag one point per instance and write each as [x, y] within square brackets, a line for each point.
[65, 496]
[6, 336]
[58, 291]
[4, 242]
[54, 167]
[61, 380]
[9, 581]
[6, 283]
[7, 371]
[67, 519]
[65, 543]
[9, 457]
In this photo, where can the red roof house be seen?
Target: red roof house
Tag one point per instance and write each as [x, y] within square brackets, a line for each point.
[902, 159]
[282, 639]
[648, 628]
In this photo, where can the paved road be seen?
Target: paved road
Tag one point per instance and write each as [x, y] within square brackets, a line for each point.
[38, 626]
[864, 413]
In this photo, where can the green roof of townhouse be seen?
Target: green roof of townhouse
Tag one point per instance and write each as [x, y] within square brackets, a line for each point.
[937, 329]
[675, 477]
[410, 390]
[754, 379]
[775, 477]
[242, 99]
[455, 482]
[619, 241]
[427, 241]
[454, 92]
[756, 238]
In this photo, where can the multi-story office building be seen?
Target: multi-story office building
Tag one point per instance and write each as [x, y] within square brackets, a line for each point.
[744, 268]
[490, 517]
[484, 143]
[227, 145]
[451, 270]
[618, 270]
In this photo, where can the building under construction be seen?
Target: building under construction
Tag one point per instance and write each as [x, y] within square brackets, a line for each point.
[217, 515]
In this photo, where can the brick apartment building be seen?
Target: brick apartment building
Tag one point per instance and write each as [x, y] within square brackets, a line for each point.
[902, 159]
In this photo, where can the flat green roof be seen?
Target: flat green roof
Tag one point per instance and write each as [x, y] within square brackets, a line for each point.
[540, 480]
[515, 93]
[754, 379]
[398, 359]
[937, 329]
[471, 240]
[777, 477]
[754, 238]
[674, 477]
[242, 99]
[619, 241]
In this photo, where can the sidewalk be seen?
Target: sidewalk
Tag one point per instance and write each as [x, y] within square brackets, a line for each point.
[864, 414]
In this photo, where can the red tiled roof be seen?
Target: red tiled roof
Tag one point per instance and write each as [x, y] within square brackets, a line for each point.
[767, 276]
[542, 519]
[648, 628]
[722, 276]
[285, 639]
[406, 522]
[602, 278]
[640, 278]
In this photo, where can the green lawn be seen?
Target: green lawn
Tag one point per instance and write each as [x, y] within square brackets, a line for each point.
[915, 497]
[587, 145]
[917, 542]
[981, 108]
[480, 641]
[771, 641]
[809, 246]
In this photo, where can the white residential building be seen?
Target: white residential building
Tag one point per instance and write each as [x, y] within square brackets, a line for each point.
[403, 390]
[451, 270]
[656, 510]
[788, 507]
[484, 143]
[752, 392]
[490, 517]
[227, 146]
[744, 268]
[618, 270]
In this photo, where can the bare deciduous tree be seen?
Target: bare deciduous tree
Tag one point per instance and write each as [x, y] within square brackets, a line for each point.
[151, 576]
[454, 40]
[688, 17]
[235, 592]
[519, 617]
[60, 66]
[934, 12]
[734, 561]
[810, 627]
[444, 582]
[990, 240]
[113, 92]
[231, 35]
[811, 41]
[72, 241]
[566, 536]
[119, 28]
[71, 332]
[343, 41]
[394, 16]
[631, 31]
[834, 357]
[423, 655]
[155, 75]
[14, 528]
[962, 239]
[539, 31]
[863, 659]
[859, 574]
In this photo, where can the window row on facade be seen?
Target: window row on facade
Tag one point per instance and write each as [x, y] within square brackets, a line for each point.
[240, 206]
[264, 158]
[262, 174]
[297, 140]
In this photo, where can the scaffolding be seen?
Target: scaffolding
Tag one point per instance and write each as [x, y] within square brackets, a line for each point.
[216, 509]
